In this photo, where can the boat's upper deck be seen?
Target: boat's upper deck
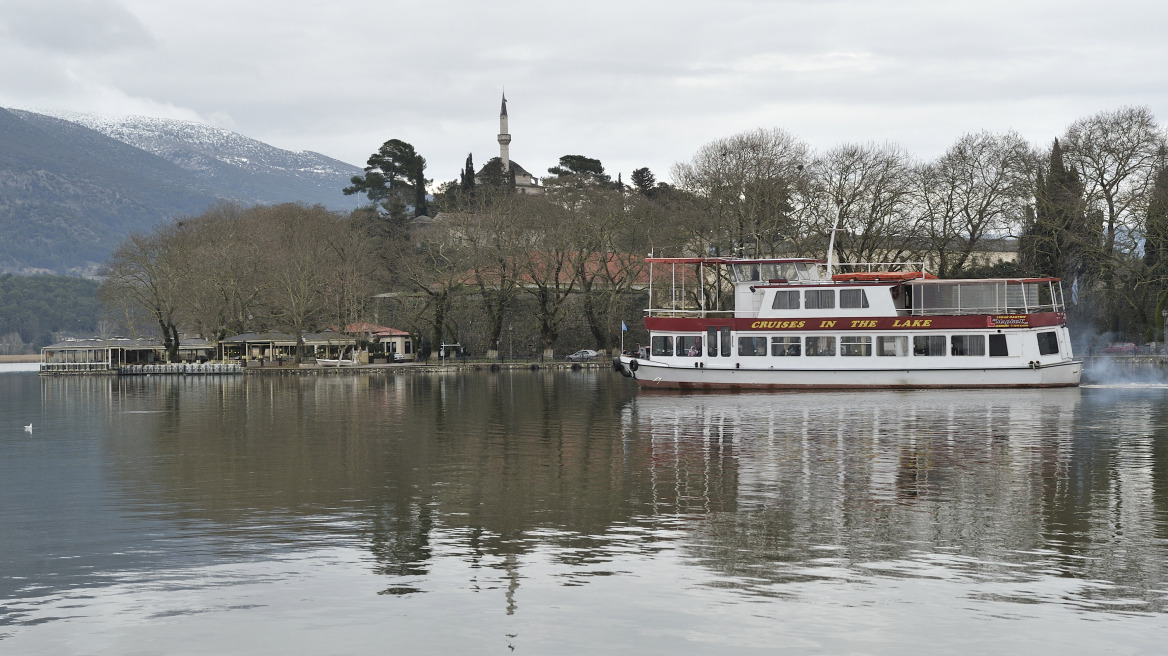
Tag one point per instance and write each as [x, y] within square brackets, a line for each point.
[794, 288]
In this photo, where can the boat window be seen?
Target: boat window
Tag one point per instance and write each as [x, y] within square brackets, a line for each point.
[820, 346]
[662, 345]
[744, 272]
[929, 345]
[967, 344]
[786, 300]
[892, 345]
[998, 346]
[749, 346]
[785, 346]
[1047, 343]
[689, 346]
[819, 299]
[712, 342]
[853, 298]
[856, 345]
[804, 271]
[725, 340]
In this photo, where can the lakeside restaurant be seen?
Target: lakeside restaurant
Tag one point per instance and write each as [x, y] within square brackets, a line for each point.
[111, 355]
[277, 348]
[268, 349]
[385, 344]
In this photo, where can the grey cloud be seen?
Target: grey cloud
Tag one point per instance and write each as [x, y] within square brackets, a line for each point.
[72, 26]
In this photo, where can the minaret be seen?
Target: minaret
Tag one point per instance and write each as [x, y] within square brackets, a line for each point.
[504, 136]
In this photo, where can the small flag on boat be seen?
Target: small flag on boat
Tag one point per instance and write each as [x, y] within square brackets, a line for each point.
[624, 328]
[1075, 291]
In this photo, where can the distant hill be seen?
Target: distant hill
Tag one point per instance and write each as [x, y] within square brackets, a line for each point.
[236, 166]
[70, 190]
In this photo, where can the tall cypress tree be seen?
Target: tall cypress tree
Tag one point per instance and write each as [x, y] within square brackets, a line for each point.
[1061, 240]
[1156, 230]
[468, 176]
[1156, 246]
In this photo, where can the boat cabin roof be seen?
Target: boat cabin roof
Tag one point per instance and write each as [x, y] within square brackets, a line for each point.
[757, 285]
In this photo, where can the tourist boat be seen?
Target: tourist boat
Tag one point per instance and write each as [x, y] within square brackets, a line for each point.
[794, 323]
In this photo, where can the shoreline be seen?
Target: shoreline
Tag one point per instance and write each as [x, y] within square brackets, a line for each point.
[30, 357]
[390, 369]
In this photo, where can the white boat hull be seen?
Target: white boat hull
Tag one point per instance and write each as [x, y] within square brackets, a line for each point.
[657, 375]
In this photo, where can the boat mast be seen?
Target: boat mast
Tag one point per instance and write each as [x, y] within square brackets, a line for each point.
[831, 245]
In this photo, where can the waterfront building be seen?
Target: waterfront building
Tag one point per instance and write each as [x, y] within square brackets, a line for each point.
[110, 355]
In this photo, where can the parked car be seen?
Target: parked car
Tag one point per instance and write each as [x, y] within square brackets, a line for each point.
[583, 355]
[1121, 348]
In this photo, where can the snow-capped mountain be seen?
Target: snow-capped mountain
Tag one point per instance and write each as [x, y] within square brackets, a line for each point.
[72, 187]
[246, 169]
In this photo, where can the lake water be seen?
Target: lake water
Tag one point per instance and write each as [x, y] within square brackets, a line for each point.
[566, 513]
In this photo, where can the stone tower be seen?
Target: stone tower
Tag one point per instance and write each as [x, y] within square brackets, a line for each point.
[504, 136]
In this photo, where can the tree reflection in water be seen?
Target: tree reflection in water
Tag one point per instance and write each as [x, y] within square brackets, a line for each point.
[489, 471]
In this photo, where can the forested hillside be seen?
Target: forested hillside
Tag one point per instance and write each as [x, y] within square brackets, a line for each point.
[69, 194]
[36, 307]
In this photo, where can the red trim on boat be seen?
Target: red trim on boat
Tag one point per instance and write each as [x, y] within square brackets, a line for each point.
[979, 322]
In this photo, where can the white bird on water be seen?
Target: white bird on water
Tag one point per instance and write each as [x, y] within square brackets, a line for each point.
[28, 428]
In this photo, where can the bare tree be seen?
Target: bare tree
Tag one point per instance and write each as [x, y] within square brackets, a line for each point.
[548, 263]
[223, 279]
[434, 266]
[494, 253]
[145, 272]
[350, 275]
[297, 266]
[612, 228]
[748, 184]
[1116, 154]
[865, 191]
[979, 188]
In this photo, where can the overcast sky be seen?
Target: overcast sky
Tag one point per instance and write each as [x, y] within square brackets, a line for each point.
[632, 83]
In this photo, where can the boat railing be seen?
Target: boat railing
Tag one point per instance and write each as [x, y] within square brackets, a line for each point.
[993, 309]
[1024, 296]
[689, 314]
[874, 267]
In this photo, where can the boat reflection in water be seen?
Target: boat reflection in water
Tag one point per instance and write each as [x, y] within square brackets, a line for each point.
[580, 515]
[1032, 496]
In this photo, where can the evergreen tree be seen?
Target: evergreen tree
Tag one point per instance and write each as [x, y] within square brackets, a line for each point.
[581, 168]
[468, 176]
[644, 181]
[1060, 239]
[1156, 247]
[394, 177]
[493, 175]
[1156, 230]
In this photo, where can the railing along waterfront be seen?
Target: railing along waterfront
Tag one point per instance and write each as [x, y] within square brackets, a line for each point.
[76, 367]
[180, 368]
